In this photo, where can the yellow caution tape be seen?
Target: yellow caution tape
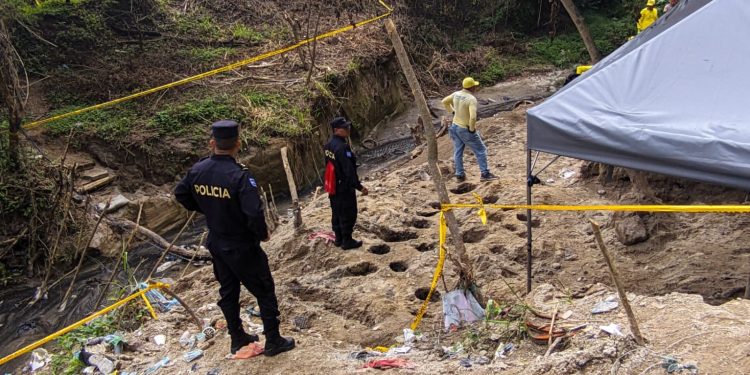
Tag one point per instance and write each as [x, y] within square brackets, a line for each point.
[443, 227]
[223, 69]
[81, 322]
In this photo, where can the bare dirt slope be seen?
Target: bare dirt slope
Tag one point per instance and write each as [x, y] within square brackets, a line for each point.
[337, 302]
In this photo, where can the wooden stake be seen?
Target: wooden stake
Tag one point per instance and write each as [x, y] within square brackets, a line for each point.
[83, 255]
[618, 284]
[164, 253]
[552, 325]
[292, 189]
[583, 30]
[461, 261]
[273, 200]
[95, 185]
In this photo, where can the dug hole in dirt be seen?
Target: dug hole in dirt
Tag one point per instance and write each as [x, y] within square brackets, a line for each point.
[337, 303]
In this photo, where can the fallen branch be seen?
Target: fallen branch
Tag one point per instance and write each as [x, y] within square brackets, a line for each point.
[159, 240]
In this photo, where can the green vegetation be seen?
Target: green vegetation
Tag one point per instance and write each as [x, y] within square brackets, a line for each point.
[113, 124]
[191, 118]
[65, 361]
[270, 114]
[209, 54]
[242, 32]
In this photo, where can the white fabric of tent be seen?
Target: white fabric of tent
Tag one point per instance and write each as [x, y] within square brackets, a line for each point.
[675, 100]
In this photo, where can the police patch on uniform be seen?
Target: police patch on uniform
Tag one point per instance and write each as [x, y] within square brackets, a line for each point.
[252, 182]
[348, 154]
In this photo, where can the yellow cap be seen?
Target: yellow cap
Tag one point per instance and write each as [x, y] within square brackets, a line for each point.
[651, 3]
[470, 82]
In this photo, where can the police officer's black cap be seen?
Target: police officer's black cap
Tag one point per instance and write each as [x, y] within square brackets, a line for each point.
[340, 123]
[225, 129]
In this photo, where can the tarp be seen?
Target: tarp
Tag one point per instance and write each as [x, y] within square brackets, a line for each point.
[675, 100]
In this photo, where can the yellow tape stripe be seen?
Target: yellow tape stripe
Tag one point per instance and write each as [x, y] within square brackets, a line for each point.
[632, 208]
[79, 323]
[223, 69]
[436, 275]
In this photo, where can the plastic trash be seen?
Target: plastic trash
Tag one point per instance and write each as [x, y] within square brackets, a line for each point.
[460, 306]
[409, 336]
[605, 306]
[160, 340]
[102, 363]
[214, 371]
[39, 358]
[157, 299]
[612, 329]
[399, 350]
[453, 351]
[187, 340]
[503, 350]
[192, 355]
[114, 341]
[249, 351]
[466, 362]
[157, 366]
[384, 364]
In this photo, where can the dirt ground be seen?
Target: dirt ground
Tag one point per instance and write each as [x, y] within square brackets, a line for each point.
[337, 302]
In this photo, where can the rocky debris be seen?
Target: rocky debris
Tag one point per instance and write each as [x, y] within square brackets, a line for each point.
[161, 213]
[630, 229]
[93, 174]
[106, 241]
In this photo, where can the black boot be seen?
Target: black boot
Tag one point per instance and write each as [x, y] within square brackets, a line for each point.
[241, 339]
[350, 243]
[338, 240]
[275, 344]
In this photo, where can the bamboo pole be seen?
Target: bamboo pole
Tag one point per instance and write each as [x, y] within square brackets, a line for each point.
[462, 261]
[618, 284]
[292, 189]
[583, 30]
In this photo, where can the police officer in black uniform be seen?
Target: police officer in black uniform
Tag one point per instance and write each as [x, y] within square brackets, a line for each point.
[344, 202]
[226, 193]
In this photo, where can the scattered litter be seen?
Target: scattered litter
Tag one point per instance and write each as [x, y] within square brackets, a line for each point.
[102, 363]
[364, 354]
[165, 266]
[466, 362]
[567, 173]
[612, 329]
[460, 306]
[157, 299]
[607, 305]
[399, 350]
[220, 324]
[567, 314]
[672, 365]
[114, 341]
[385, 364]
[160, 340]
[89, 370]
[214, 371]
[503, 350]
[249, 351]
[156, 366]
[187, 340]
[192, 355]
[328, 237]
[482, 360]
[409, 336]
[253, 311]
[39, 358]
[381, 349]
[453, 351]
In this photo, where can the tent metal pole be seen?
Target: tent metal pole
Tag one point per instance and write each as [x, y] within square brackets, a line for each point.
[528, 220]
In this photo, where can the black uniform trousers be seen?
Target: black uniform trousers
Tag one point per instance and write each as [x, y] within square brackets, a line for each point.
[344, 213]
[249, 267]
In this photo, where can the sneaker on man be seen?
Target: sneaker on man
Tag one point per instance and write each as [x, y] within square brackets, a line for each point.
[487, 177]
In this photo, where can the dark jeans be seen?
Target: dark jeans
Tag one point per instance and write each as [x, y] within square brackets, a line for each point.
[344, 213]
[246, 266]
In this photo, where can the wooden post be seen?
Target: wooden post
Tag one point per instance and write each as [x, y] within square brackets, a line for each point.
[461, 261]
[618, 284]
[583, 29]
[292, 189]
[274, 211]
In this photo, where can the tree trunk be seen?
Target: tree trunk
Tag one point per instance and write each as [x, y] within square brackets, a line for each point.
[10, 91]
[462, 262]
[583, 30]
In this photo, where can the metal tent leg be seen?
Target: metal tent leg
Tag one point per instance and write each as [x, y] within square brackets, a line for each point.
[528, 221]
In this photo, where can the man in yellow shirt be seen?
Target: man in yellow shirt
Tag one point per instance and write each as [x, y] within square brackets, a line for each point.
[649, 14]
[463, 131]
